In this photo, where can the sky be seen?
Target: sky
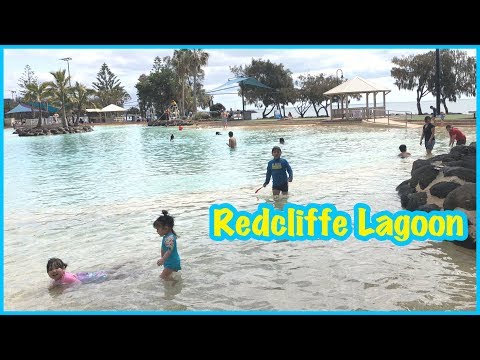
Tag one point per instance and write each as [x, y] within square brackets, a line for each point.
[128, 63]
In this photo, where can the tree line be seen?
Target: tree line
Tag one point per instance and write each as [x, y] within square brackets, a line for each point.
[458, 74]
[71, 100]
[174, 77]
[181, 76]
[413, 72]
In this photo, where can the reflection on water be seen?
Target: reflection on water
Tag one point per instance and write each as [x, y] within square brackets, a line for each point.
[172, 288]
[90, 199]
[277, 201]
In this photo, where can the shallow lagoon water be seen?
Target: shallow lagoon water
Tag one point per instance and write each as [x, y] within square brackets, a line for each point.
[90, 199]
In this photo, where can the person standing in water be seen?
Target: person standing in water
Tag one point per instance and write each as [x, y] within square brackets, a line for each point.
[428, 133]
[456, 134]
[169, 252]
[232, 142]
[278, 169]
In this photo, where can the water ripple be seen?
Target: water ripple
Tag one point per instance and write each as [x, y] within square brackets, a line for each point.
[91, 199]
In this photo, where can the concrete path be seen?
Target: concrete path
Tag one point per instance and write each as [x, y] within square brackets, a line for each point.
[397, 123]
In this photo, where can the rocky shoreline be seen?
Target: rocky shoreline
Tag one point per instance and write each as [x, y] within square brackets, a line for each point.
[444, 182]
[46, 130]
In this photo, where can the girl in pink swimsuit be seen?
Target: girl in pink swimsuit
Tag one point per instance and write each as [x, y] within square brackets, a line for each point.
[56, 271]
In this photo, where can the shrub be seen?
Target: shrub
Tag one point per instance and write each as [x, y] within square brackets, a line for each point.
[217, 107]
[201, 116]
[215, 114]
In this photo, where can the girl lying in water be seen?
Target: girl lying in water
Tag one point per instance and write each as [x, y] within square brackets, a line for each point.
[56, 270]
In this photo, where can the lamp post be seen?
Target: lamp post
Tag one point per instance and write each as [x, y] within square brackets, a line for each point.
[67, 59]
[341, 71]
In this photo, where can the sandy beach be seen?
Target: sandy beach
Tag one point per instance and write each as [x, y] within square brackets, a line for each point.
[274, 123]
[268, 123]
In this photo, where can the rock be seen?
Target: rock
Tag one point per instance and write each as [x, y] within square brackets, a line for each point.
[429, 207]
[468, 175]
[462, 197]
[442, 189]
[416, 200]
[423, 176]
[51, 130]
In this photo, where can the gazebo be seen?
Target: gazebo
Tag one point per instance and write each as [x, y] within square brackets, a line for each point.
[112, 108]
[353, 87]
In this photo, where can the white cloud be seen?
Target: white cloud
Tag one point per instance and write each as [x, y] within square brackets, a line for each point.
[129, 63]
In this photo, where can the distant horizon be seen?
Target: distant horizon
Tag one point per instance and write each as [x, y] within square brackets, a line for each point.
[422, 101]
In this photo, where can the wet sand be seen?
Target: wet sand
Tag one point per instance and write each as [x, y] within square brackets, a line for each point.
[268, 123]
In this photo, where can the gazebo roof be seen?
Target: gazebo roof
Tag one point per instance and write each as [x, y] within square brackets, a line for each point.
[108, 108]
[355, 86]
[113, 108]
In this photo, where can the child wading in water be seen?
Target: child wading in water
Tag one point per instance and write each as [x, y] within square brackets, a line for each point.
[403, 151]
[232, 142]
[278, 169]
[170, 258]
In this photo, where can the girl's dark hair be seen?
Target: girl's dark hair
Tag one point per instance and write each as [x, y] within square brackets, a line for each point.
[164, 220]
[55, 263]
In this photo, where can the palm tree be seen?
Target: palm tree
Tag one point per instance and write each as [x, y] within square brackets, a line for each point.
[80, 98]
[199, 59]
[35, 92]
[60, 91]
[182, 63]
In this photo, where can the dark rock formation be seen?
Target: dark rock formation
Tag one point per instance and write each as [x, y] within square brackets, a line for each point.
[429, 207]
[462, 197]
[51, 130]
[442, 189]
[415, 200]
[444, 182]
[423, 176]
[468, 175]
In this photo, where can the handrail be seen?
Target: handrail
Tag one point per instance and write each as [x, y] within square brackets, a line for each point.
[399, 112]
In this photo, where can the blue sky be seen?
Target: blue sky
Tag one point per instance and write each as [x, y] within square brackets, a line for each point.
[128, 63]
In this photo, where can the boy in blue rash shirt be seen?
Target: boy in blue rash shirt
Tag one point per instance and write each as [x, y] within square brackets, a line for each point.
[278, 169]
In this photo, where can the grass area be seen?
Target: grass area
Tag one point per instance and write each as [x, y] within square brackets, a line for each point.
[449, 117]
